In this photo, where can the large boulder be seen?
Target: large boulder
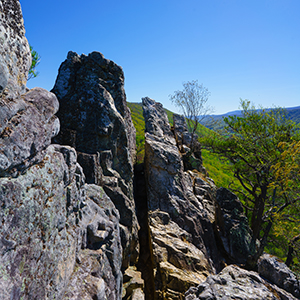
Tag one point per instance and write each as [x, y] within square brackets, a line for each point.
[15, 56]
[181, 229]
[27, 124]
[96, 121]
[53, 228]
[277, 272]
[232, 226]
[236, 283]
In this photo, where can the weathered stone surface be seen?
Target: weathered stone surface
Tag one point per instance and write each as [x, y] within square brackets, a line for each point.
[179, 263]
[27, 124]
[236, 283]
[278, 273]
[60, 238]
[39, 233]
[188, 145]
[133, 284]
[15, 56]
[97, 272]
[171, 195]
[90, 90]
[233, 228]
[96, 121]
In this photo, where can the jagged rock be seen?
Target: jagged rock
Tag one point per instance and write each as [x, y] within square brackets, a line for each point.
[96, 121]
[236, 283]
[233, 228]
[60, 237]
[15, 56]
[133, 285]
[40, 238]
[97, 272]
[27, 124]
[180, 263]
[170, 194]
[50, 220]
[188, 145]
[278, 273]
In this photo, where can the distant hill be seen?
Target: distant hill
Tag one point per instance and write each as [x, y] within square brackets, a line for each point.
[215, 122]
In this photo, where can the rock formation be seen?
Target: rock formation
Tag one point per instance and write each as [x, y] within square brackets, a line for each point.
[60, 237]
[96, 121]
[278, 273]
[80, 221]
[236, 283]
[15, 57]
[182, 234]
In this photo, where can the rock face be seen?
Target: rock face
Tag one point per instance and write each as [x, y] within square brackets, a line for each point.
[182, 234]
[15, 56]
[60, 237]
[50, 228]
[278, 273]
[97, 123]
[27, 124]
[232, 227]
[236, 283]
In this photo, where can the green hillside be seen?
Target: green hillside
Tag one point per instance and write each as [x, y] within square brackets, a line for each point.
[218, 170]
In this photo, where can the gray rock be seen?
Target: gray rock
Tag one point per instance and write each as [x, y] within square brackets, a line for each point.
[40, 236]
[96, 121]
[191, 154]
[15, 56]
[233, 228]
[278, 273]
[97, 272]
[236, 283]
[60, 238]
[27, 124]
[176, 213]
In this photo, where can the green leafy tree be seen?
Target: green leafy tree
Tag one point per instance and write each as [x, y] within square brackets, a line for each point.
[35, 61]
[252, 143]
[287, 180]
[192, 102]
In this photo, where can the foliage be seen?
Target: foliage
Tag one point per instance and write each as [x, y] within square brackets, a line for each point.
[192, 101]
[34, 63]
[253, 146]
[287, 221]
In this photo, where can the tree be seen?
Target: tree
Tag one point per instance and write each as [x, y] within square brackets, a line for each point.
[253, 146]
[287, 180]
[34, 63]
[192, 101]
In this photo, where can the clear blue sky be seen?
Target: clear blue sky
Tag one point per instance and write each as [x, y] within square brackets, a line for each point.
[247, 49]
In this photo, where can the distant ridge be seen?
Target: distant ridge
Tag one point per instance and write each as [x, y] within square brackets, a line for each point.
[216, 122]
[239, 112]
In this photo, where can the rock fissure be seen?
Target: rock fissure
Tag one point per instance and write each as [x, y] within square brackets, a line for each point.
[145, 263]
[80, 221]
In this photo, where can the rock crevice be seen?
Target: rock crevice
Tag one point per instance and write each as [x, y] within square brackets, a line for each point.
[80, 221]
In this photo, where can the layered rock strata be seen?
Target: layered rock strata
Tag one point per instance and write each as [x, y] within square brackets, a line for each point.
[96, 121]
[182, 234]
